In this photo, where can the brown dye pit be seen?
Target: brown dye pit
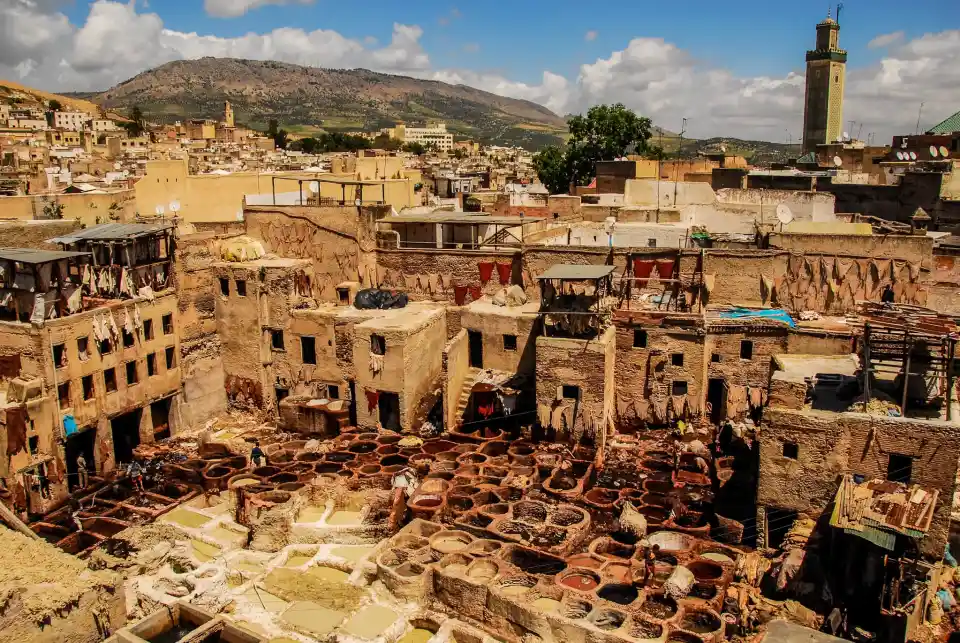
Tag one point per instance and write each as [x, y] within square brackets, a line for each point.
[620, 593]
[659, 606]
[580, 580]
[700, 622]
[643, 629]
[547, 537]
[575, 609]
[704, 591]
[608, 619]
[517, 585]
[704, 570]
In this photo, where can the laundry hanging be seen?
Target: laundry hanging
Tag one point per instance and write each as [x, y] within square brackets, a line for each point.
[372, 398]
[460, 295]
[476, 293]
[642, 269]
[504, 270]
[486, 271]
[665, 268]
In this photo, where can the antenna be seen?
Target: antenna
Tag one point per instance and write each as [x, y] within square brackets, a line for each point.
[919, 111]
[174, 207]
[839, 7]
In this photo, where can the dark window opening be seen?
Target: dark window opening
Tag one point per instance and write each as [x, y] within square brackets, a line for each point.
[59, 355]
[570, 392]
[127, 338]
[241, 288]
[282, 394]
[679, 387]
[899, 468]
[333, 391]
[87, 382]
[343, 294]
[791, 450]
[651, 243]
[63, 393]
[388, 405]
[308, 350]
[715, 358]
[160, 418]
[171, 357]
[639, 338]
[110, 380]
[746, 349]
[509, 342]
[167, 324]
[33, 444]
[378, 345]
[276, 339]
[676, 359]
[83, 346]
[475, 348]
[776, 519]
[147, 329]
[224, 286]
[151, 364]
[131, 373]
[105, 347]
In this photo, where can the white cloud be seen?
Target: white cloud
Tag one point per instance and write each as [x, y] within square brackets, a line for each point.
[591, 35]
[39, 46]
[885, 40]
[236, 8]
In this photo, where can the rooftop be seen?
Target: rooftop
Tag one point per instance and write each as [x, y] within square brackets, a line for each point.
[113, 231]
[459, 217]
[796, 368]
[878, 510]
[949, 125]
[31, 256]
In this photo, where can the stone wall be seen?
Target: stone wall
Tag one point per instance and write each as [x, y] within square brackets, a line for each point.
[909, 248]
[32, 233]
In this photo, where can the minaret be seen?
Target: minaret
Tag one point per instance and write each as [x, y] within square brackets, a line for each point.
[823, 100]
[228, 114]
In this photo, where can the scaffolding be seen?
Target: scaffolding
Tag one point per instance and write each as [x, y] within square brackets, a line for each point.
[670, 273]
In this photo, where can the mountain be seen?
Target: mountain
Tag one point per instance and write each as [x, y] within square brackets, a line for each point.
[307, 99]
[29, 97]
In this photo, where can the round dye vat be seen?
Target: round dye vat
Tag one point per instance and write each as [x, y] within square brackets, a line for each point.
[575, 609]
[619, 593]
[608, 619]
[581, 580]
[659, 606]
[517, 585]
[643, 629]
[701, 622]
[448, 542]
[548, 605]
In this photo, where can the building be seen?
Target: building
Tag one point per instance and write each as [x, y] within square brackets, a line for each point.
[228, 119]
[63, 138]
[823, 98]
[74, 121]
[201, 129]
[433, 135]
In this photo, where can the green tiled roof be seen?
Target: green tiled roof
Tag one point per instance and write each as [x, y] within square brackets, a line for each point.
[948, 126]
[809, 157]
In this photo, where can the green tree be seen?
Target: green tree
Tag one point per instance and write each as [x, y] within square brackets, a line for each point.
[54, 105]
[415, 148]
[137, 125]
[308, 145]
[386, 142]
[604, 134]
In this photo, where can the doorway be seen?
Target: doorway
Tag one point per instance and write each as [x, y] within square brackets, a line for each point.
[353, 403]
[475, 340]
[717, 398]
[779, 522]
[126, 435]
[389, 407]
[160, 416]
[80, 443]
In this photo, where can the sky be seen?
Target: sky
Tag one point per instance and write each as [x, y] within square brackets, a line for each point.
[730, 69]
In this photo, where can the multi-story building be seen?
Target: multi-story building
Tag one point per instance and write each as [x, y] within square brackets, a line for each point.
[434, 135]
[74, 121]
[823, 100]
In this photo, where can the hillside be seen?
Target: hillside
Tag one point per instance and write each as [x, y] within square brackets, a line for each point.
[307, 99]
[29, 97]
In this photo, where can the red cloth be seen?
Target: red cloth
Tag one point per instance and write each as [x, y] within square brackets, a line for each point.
[486, 410]
[642, 270]
[504, 270]
[665, 269]
[372, 398]
[475, 292]
[16, 429]
[486, 271]
[460, 295]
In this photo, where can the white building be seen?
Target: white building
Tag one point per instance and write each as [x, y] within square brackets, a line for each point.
[73, 121]
[103, 125]
[433, 135]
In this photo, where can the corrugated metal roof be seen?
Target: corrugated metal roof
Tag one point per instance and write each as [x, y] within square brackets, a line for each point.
[877, 509]
[31, 256]
[949, 125]
[112, 231]
[576, 272]
[460, 217]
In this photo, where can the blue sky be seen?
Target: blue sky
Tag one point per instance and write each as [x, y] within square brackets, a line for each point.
[730, 68]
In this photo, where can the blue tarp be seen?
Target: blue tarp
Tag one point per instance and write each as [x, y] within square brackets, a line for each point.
[773, 314]
[69, 425]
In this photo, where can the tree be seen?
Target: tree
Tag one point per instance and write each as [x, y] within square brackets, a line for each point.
[137, 126]
[386, 142]
[415, 148]
[308, 145]
[606, 133]
[54, 105]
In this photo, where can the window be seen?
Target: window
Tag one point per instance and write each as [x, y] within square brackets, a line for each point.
[343, 294]
[241, 288]
[791, 450]
[168, 324]
[679, 387]
[509, 342]
[378, 345]
[570, 392]
[224, 286]
[676, 359]
[899, 468]
[63, 393]
[639, 338]
[127, 338]
[110, 380]
[131, 373]
[147, 330]
[106, 347]
[651, 243]
[59, 355]
[276, 339]
[83, 347]
[308, 350]
[333, 391]
[151, 364]
[715, 358]
[746, 349]
[170, 357]
[87, 382]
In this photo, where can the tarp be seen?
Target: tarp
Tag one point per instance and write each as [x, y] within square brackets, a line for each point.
[372, 298]
[773, 314]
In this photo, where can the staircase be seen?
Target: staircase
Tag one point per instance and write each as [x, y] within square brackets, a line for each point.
[464, 400]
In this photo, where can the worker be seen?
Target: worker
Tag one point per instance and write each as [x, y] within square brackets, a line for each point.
[135, 472]
[82, 471]
[887, 296]
[75, 513]
[257, 456]
[649, 563]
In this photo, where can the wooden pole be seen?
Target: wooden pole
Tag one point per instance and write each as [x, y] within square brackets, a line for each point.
[866, 365]
[952, 344]
[906, 379]
[15, 523]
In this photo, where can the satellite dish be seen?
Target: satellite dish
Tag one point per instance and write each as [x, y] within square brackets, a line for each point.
[174, 206]
[358, 203]
[933, 151]
[899, 156]
[314, 186]
[117, 166]
[159, 210]
[846, 136]
[913, 156]
[837, 161]
[944, 152]
[784, 214]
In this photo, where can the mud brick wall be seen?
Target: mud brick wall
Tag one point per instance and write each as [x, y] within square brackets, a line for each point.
[303, 378]
[910, 248]
[738, 273]
[649, 372]
[459, 267]
[754, 372]
[34, 233]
